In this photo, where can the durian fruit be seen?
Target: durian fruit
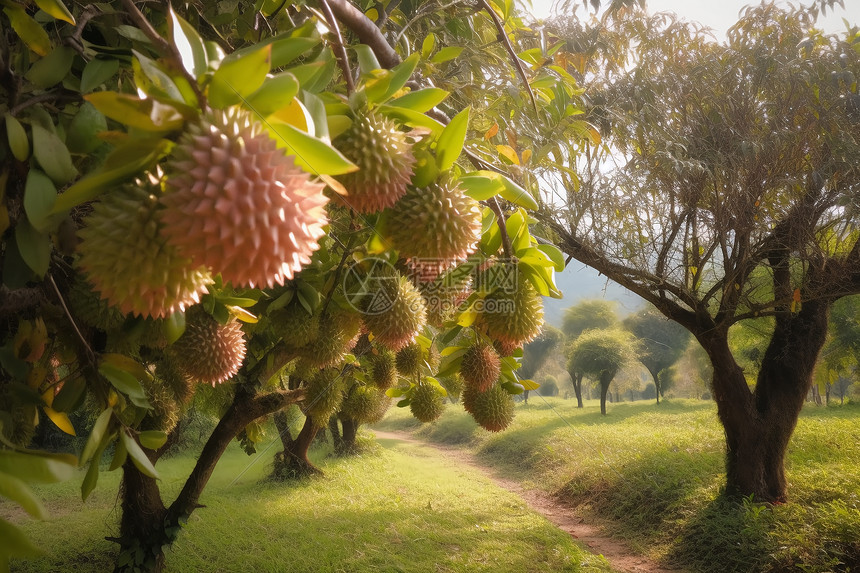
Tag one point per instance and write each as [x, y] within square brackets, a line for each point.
[394, 312]
[295, 325]
[88, 307]
[506, 348]
[453, 385]
[238, 204]
[480, 366]
[17, 418]
[383, 371]
[324, 395]
[493, 409]
[410, 359]
[384, 158]
[512, 316]
[443, 298]
[170, 376]
[434, 227]
[364, 404]
[128, 261]
[339, 330]
[426, 402]
[165, 411]
[208, 351]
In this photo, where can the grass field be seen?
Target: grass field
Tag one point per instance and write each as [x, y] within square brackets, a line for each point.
[654, 473]
[396, 508]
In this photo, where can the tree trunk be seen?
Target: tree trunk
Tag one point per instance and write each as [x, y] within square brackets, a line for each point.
[657, 389]
[142, 536]
[577, 389]
[293, 462]
[334, 429]
[526, 397]
[759, 424]
[282, 424]
[604, 390]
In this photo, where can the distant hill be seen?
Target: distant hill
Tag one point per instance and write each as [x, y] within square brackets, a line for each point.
[579, 282]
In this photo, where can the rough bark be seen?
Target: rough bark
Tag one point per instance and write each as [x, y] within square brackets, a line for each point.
[282, 424]
[334, 429]
[577, 388]
[759, 424]
[293, 462]
[350, 431]
[142, 536]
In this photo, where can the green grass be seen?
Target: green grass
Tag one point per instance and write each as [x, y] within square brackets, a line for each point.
[655, 473]
[396, 508]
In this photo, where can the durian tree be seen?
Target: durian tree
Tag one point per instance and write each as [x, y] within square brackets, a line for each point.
[600, 354]
[725, 191]
[661, 343]
[269, 200]
[585, 315]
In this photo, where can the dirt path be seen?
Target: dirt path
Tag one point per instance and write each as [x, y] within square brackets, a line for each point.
[619, 555]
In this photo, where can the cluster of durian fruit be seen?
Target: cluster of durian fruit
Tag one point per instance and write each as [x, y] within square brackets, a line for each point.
[229, 202]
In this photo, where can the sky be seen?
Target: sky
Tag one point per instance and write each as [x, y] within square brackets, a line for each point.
[720, 15]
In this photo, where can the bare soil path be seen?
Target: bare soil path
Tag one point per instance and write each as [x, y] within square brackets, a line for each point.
[618, 553]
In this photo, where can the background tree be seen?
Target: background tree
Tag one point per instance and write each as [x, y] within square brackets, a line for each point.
[600, 354]
[716, 208]
[586, 315]
[661, 343]
[537, 352]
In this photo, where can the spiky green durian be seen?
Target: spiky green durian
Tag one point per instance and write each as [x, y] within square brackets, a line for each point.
[384, 159]
[171, 377]
[295, 325]
[512, 316]
[164, 414]
[480, 366]
[493, 409]
[129, 262]
[394, 312]
[383, 371]
[364, 404]
[208, 351]
[324, 395]
[87, 306]
[410, 359]
[434, 227]
[338, 333]
[426, 402]
[238, 204]
[453, 385]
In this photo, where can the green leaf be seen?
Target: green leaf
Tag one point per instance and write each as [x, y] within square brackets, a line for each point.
[555, 255]
[39, 198]
[138, 457]
[238, 78]
[285, 50]
[30, 32]
[528, 384]
[92, 477]
[481, 185]
[189, 44]
[398, 76]
[34, 246]
[311, 154]
[451, 141]
[516, 194]
[52, 155]
[56, 9]
[446, 54]
[16, 489]
[97, 435]
[82, 135]
[534, 277]
[37, 467]
[97, 72]
[428, 45]
[120, 454]
[412, 118]
[125, 383]
[50, 70]
[145, 114]
[154, 80]
[421, 100]
[275, 93]
[174, 326]
[518, 231]
[367, 61]
[395, 392]
[17, 137]
[152, 439]
[123, 163]
[13, 543]
[70, 395]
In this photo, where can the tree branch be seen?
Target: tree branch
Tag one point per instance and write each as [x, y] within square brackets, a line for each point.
[340, 49]
[366, 30]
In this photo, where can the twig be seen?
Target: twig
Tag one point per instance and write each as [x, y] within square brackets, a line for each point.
[503, 38]
[366, 30]
[339, 48]
[163, 46]
[54, 96]
[74, 41]
[90, 354]
[507, 248]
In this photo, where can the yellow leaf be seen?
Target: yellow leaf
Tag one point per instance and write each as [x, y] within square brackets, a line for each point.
[508, 153]
[242, 314]
[527, 154]
[492, 131]
[334, 185]
[61, 420]
[296, 115]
